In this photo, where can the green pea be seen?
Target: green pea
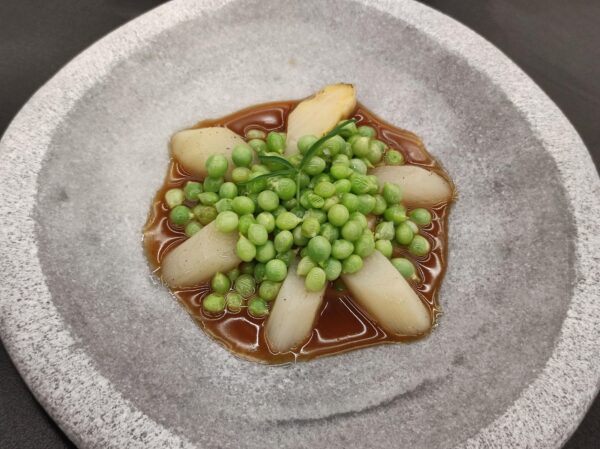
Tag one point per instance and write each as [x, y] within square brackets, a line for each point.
[259, 272]
[374, 184]
[287, 257]
[419, 246]
[420, 216]
[348, 130]
[265, 252]
[330, 232]
[290, 204]
[255, 134]
[341, 249]
[268, 290]
[228, 190]
[360, 184]
[385, 230]
[392, 193]
[315, 200]
[303, 180]
[245, 222]
[358, 166]
[242, 155]
[347, 150]
[352, 264]
[247, 267]
[268, 200]
[233, 274]
[316, 213]
[330, 202]
[258, 185]
[277, 212]
[257, 234]
[257, 307]
[216, 165]
[245, 285]
[242, 205]
[208, 198]
[366, 203]
[223, 205]
[360, 146]
[395, 213]
[393, 157]
[234, 302]
[367, 131]
[299, 238]
[338, 214]
[287, 221]
[227, 221]
[180, 215]
[174, 198]
[404, 234]
[240, 174]
[339, 171]
[341, 159]
[385, 247]
[325, 189]
[258, 145]
[333, 269]
[276, 270]
[350, 201]
[333, 146]
[245, 249]
[405, 267]
[352, 230]
[283, 241]
[267, 220]
[191, 190]
[295, 159]
[213, 303]
[310, 227]
[212, 184]
[220, 283]
[413, 226]
[275, 142]
[315, 280]
[342, 186]
[315, 166]
[304, 198]
[285, 188]
[380, 205]
[305, 142]
[365, 245]
[360, 218]
[193, 227]
[319, 248]
[353, 138]
[305, 265]
[375, 153]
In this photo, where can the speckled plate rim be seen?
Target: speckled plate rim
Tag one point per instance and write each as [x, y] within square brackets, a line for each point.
[90, 409]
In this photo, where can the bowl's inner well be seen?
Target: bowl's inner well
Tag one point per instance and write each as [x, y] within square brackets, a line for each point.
[504, 296]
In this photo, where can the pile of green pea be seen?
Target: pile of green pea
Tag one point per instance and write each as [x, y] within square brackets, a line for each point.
[332, 214]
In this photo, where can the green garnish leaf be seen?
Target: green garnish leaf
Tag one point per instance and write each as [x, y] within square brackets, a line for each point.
[273, 174]
[276, 160]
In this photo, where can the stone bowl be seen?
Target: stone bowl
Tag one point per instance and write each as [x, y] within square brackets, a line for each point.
[515, 361]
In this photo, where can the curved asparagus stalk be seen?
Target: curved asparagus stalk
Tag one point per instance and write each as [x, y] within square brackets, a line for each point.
[320, 113]
[200, 257]
[192, 147]
[294, 313]
[420, 187]
[386, 296]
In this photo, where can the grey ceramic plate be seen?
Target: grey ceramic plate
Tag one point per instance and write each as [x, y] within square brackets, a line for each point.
[118, 363]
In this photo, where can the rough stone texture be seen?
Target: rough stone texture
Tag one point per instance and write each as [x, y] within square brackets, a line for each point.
[515, 360]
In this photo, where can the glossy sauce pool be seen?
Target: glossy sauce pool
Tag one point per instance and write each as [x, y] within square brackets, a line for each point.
[341, 325]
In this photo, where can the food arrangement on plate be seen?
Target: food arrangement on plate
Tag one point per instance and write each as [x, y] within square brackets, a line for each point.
[298, 229]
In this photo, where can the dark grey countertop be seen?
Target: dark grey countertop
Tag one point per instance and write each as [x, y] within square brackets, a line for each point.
[554, 41]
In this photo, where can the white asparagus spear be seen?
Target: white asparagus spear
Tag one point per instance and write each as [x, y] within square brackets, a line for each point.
[320, 113]
[192, 147]
[386, 296]
[420, 187]
[294, 314]
[200, 257]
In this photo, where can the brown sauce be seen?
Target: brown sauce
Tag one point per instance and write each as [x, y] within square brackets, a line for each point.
[341, 325]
